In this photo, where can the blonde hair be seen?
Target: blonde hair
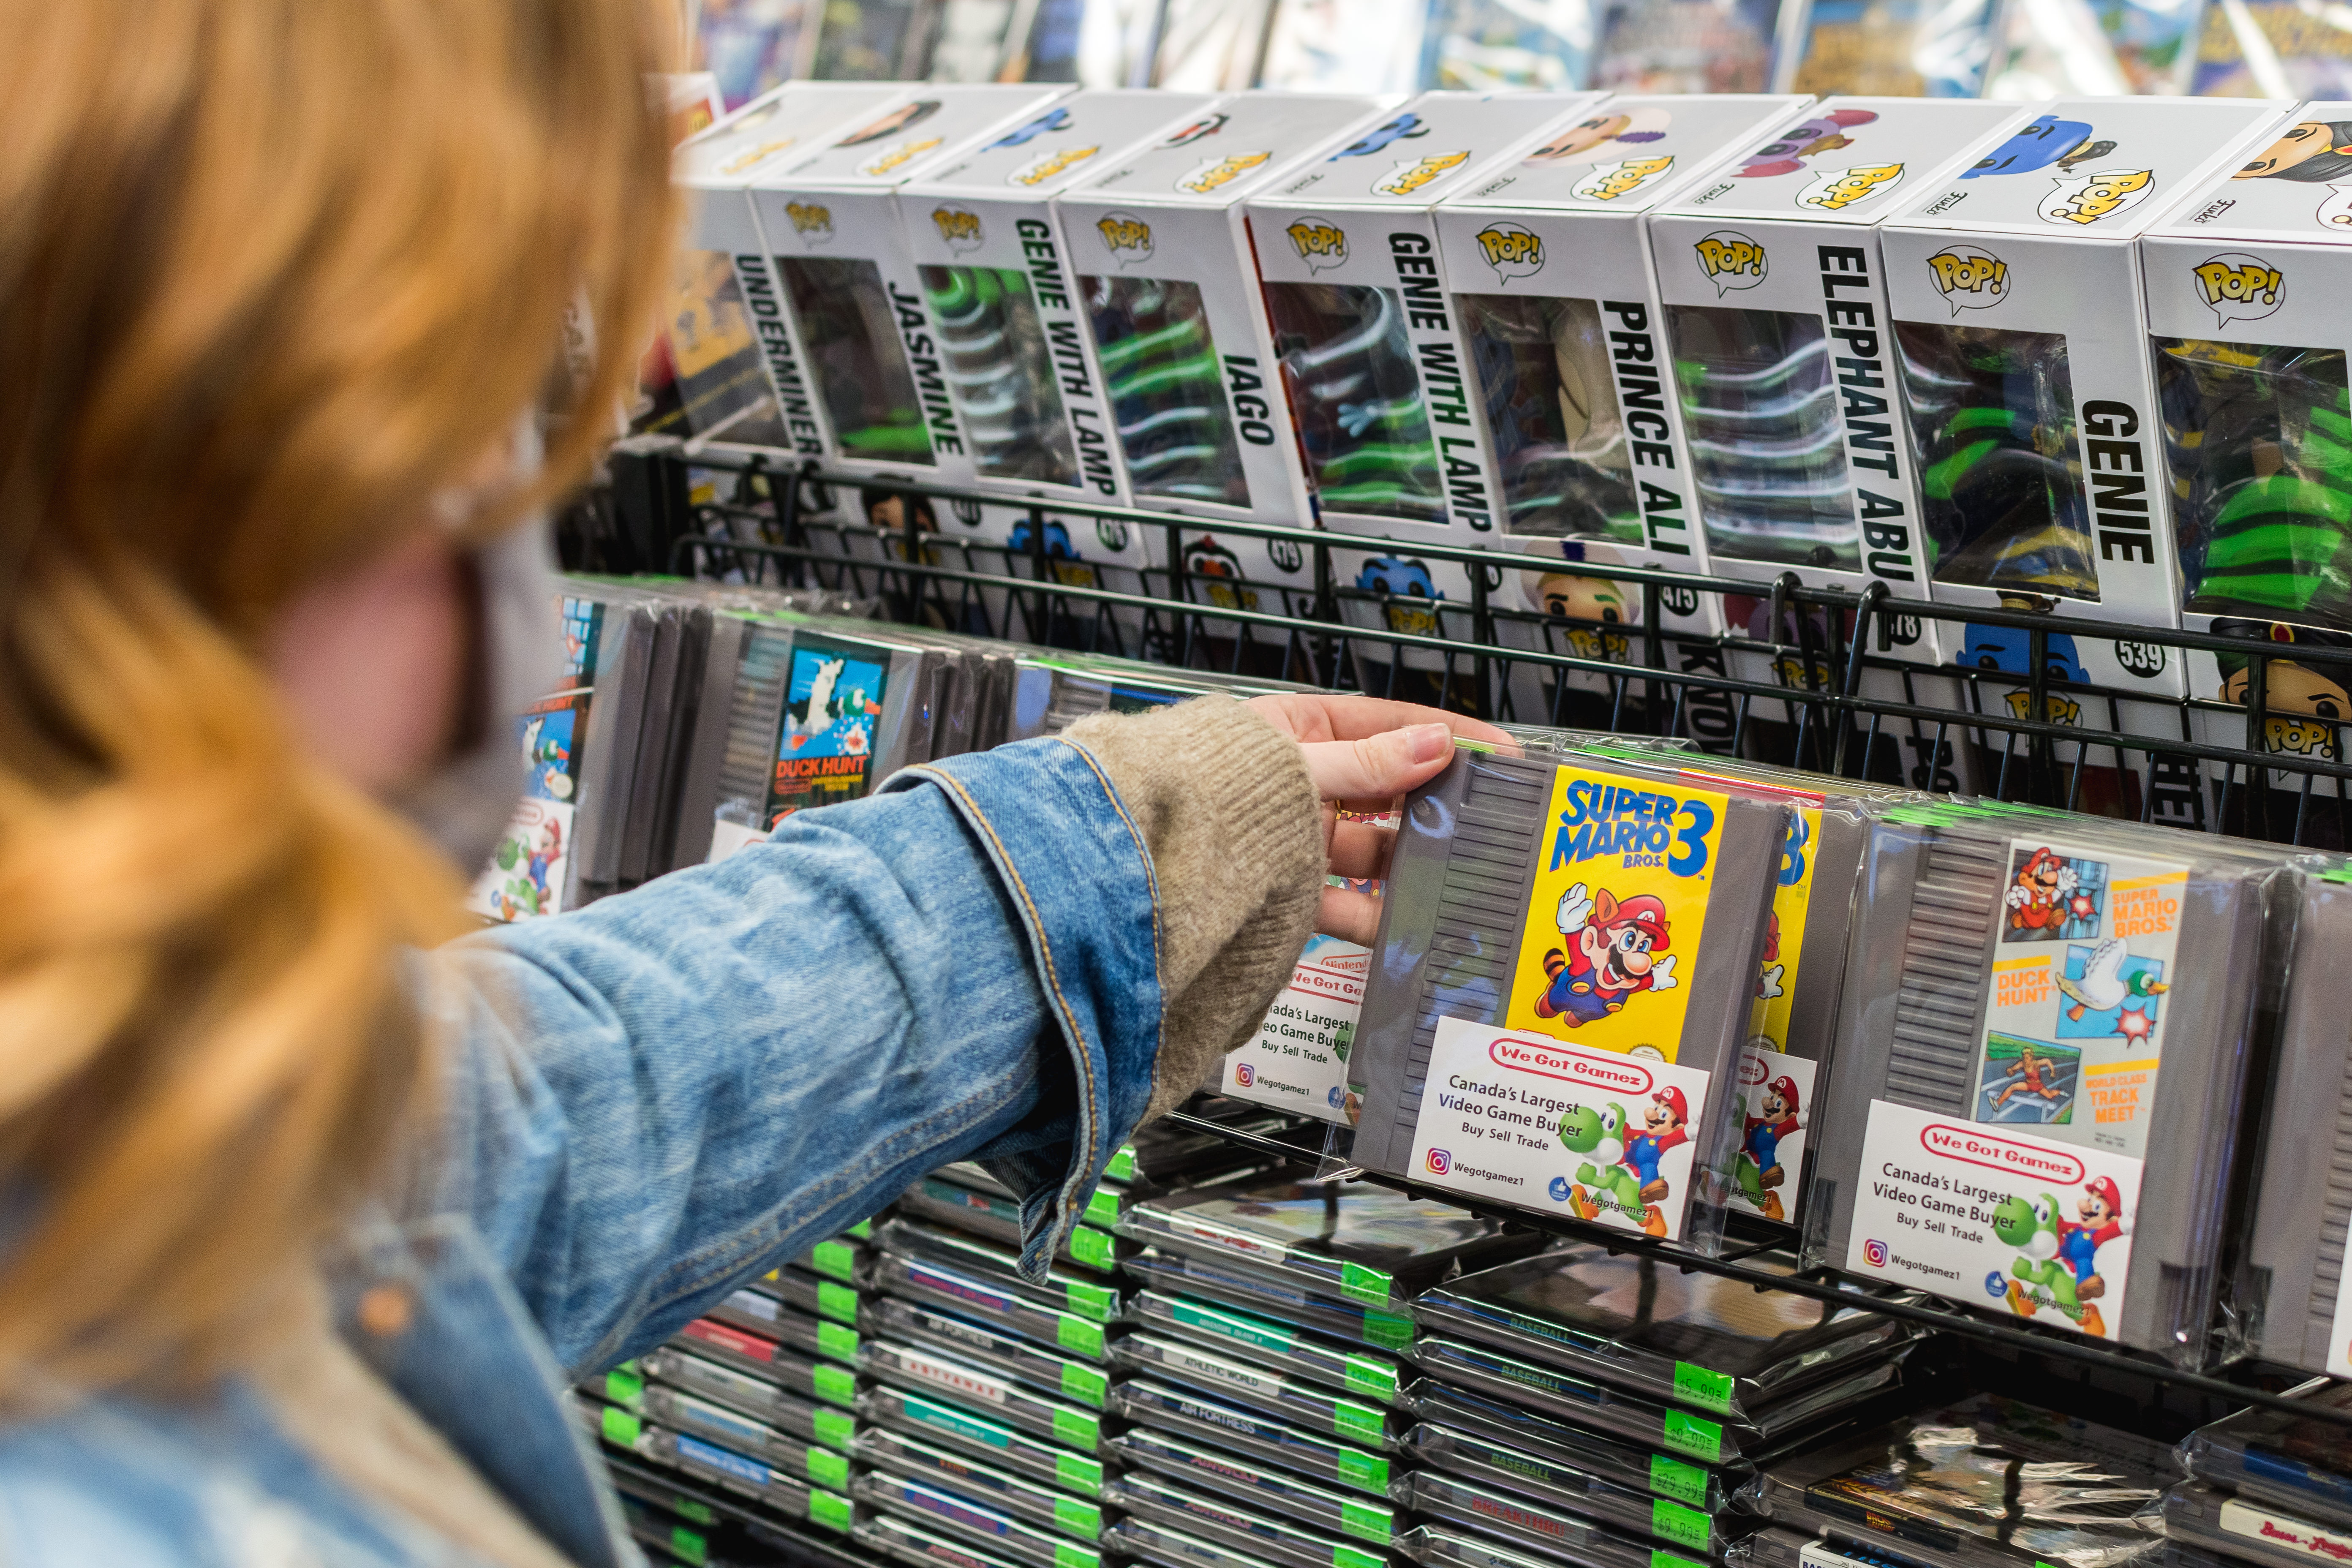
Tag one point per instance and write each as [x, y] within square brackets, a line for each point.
[274, 274]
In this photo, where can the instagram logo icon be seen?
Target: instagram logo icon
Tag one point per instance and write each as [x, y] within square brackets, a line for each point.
[1441, 1161]
[1245, 1074]
[1874, 1254]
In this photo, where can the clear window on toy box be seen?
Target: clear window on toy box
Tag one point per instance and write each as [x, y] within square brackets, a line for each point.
[851, 337]
[1551, 404]
[1767, 440]
[719, 379]
[1167, 389]
[2259, 441]
[1346, 364]
[1002, 372]
[1994, 412]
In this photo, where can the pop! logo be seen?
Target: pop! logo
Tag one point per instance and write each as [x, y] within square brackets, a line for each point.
[1407, 178]
[1607, 181]
[2239, 287]
[1043, 169]
[1874, 1254]
[1318, 244]
[1834, 190]
[2090, 198]
[1441, 1162]
[1969, 278]
[1215, 172]
[810, 221]
[960, 228]
[1126, 236]
[1511, 250]
[1732, 260]
[895, 156]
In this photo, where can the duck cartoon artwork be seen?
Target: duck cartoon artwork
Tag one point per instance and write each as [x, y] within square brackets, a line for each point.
[2047, 142]
[1787, 153]
[2115, 994]
[1615, 952]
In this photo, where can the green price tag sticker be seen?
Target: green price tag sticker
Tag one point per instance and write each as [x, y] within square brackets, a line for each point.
[1370, 1286]
[837, 1383]
[1682, 1526]
[1078, 1429]
[1096, 1304]
[829, 1510]
[1081, 1519]
[1697, 1385]
[1084, 1384]
[832, 1428]
[836, 1340]
[1359, 1422]
[1672, 1477]
[1370, 1374]
[1364, 1524]
[1349, 1557]
[834, 1260]
[1691, 1435]
[622, 1427]
[1102, 1207]
[1669, 1559]
[1122, 1163]
[1388, 1331]
[1078, 1473]
[827, 1469]
[687, 1546]
[686, 1507]
[838, 1302]
[1233, 1326]
[1092, 1247]
[1068, 1557]
[1365, 1472]
[863, 1230]
[1079, 1336]
[624, 1387]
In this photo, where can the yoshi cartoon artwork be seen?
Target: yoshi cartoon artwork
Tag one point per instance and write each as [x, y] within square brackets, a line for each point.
[1621, 1168]
[2057, 1261]
[1615, 952]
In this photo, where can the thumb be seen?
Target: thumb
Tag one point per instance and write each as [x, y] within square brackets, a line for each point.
[1378, 766]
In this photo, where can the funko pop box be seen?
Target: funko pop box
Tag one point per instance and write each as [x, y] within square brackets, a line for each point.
[1548, 265]
[2020, 339]
[1774, 307]
[727, 321]
[2246, 281]
[1178, 331]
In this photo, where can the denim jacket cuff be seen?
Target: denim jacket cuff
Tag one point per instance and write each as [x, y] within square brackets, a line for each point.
[1075, 868]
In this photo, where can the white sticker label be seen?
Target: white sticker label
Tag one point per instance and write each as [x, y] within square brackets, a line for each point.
[2074, 1017]
[947, 1376]
[1298, 1059]
[1776, 1096]
[1223, 1370]
[1545, 1125]
[1232, 1240]
[2282, 1532]
[1981, 1214]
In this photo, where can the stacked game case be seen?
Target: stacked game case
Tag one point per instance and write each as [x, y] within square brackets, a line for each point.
[1569, 955]
[2037, 1076]
[2268, 1486]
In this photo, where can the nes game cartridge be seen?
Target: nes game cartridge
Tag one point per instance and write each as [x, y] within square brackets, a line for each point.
[1363, 1422]
[948, 1510]
[1508, 1425]
[902, 1454]
[1348, 1514]
[1149, 1541]
[1471, 1456]
[2039, 1066]
[2274, 1456]
[938, 1422]
[1363, 1374]
[921, 1369]
[1204, 1420]
[1067, 1377]
[2250, 1530]
[1258, 1530]
[1567, 954]
[1513, 1517]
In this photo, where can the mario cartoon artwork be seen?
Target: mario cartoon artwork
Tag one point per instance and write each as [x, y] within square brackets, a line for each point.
[1663, 1129]
[526, 873]
[2049, 143]
[1615, 952]
[1621, 1170]
[2041, 1274]
[1768, 973]
[1786, 153]
[1779, 1114]
[2051, 898]
[2103, 1220]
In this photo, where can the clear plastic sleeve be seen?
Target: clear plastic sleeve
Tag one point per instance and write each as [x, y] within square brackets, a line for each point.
[978, 1298]
[921, 1546]
[1353, 1240]
[759, 1313]
[921, 1369]
[819, 1418]
[767, 1358]
[1989, 1483]
[1714, 1344]
[1076, 1292]
[1167, 388]
[1149, 1540]
[1559, 1008]
[1363, 422]
[704, 1461]
[1256, 1531]
[1365, 1374]
[962, 1515]
[1359, 1422]
[1350, 1515]
[999, 1220]
[1777, 1548]
[720, 1404]
[852, 334]
[2250, 1530]
[1558, 1445]
[1264, 1293]
[1491, 1511]
[1219, 1424]
[2273, 1456]
[1468, 1455]
[899, 1453]
[998, 1442]
[1001, 374]
[1082, 1382]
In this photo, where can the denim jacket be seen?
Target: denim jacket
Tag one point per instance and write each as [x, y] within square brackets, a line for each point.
[649, 1102]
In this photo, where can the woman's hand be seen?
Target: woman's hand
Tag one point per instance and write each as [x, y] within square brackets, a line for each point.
[1363, 754]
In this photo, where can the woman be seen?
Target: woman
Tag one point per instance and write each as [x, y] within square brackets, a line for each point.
[304, 1224]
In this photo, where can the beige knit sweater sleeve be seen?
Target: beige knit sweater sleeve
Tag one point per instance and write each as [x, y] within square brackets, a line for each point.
[1235, 833]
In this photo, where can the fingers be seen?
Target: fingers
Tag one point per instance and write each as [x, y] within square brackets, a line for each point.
[1379, 766]
[1360, 849]
[1349, 915]
[1327, 716]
